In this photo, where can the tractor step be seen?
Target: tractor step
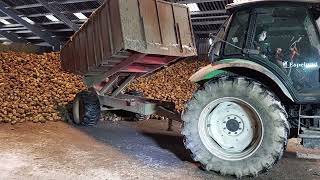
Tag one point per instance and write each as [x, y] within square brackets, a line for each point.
[295, 146]
[310, 137]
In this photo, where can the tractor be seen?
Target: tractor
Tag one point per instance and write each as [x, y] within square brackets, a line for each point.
[261, 88]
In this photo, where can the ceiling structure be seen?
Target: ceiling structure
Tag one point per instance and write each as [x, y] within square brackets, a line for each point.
[52, 22]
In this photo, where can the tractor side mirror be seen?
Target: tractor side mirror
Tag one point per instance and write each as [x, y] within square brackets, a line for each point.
[214, 50]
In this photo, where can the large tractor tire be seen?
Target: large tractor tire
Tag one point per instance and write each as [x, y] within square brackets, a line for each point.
[86, 109]
[234, 126]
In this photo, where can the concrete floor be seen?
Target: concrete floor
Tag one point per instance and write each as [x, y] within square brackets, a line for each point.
[123, 150]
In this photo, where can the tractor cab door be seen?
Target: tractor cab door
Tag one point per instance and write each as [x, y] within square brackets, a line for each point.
[288, 38]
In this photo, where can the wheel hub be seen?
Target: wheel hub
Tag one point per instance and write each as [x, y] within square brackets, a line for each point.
[233, 125]
[230, 127]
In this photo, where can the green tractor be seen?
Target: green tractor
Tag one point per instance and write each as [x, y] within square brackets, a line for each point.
[262, 88]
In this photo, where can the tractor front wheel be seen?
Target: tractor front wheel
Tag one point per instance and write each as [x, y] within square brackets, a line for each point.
[235, 126]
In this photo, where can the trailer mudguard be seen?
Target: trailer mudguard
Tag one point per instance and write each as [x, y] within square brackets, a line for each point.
[214, 70]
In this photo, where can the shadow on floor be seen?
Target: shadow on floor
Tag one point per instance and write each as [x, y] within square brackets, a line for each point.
[172, 143]
[160, 149]
[153, 149]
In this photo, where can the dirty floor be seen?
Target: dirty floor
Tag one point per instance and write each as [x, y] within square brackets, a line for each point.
[111, 151]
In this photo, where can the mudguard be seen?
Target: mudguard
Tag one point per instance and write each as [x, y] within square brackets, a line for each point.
[216, 69]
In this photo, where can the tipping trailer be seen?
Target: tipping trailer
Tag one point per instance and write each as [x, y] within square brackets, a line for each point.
[121, 41]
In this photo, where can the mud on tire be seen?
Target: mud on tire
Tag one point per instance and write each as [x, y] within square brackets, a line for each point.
[273, 117]
[86, 109]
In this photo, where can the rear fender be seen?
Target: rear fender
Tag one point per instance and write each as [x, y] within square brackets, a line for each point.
[218, 68]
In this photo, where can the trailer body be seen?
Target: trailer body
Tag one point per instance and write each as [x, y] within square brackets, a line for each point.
[121, 28]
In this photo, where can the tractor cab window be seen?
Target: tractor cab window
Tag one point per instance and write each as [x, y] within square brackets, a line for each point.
[215, 47]
[289, 38]
[237, 34]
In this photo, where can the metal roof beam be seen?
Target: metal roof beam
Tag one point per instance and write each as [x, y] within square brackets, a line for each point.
[207, 22]
[63, 12]
[100, 1]
[197, 1]
[26, 6]
[210, 17]
[80, 21]
[56, 30]
[45, 35]
[12, 37]
[62, 17]
[209, 12]
[44, 23]
[12, 28]
[206, 32]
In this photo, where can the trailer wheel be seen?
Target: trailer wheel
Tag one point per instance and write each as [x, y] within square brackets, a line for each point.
[86, 109]
[235, 126]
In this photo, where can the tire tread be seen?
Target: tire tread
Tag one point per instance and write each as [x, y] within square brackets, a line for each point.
[92, 110]
[256, 89]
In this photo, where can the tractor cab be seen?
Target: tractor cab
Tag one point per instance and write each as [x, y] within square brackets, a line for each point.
[282, 36]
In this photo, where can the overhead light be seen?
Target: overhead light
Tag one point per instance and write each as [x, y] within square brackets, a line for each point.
[80, 16]
[3, 21]
[52, 18]
[193, 7]
[28, 20]
[7, 43]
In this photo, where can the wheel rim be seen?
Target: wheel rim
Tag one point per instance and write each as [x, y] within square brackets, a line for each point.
[230, 128]
[78, 110]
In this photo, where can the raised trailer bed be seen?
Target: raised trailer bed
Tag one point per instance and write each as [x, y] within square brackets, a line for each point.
[124, 40]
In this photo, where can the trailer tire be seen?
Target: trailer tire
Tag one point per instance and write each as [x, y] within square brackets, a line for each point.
[271, 115]
[86, 109]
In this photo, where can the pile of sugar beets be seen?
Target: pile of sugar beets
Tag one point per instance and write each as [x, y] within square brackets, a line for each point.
[35, 88]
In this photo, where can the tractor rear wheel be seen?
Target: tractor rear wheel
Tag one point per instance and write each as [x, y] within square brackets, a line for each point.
[86, 109]
[235, 126]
